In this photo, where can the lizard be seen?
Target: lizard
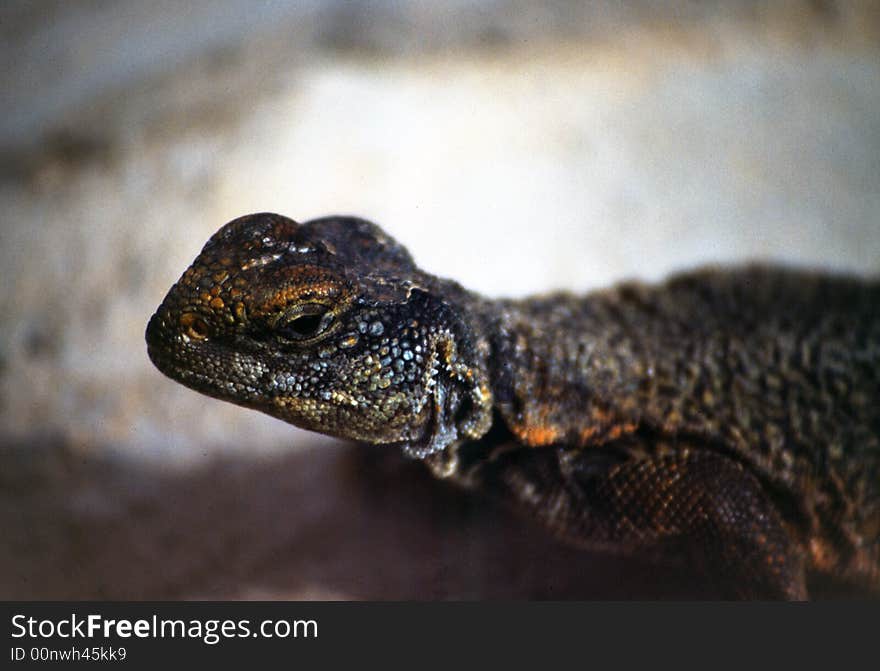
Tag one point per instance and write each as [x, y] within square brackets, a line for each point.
[726, 419]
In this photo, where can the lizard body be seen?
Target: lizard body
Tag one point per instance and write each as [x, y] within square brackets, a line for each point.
[726, 418]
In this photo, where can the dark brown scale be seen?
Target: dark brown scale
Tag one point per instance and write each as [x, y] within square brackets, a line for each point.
[726, 418]
[776, 368]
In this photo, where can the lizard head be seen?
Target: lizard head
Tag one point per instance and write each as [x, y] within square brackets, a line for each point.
[330, 326]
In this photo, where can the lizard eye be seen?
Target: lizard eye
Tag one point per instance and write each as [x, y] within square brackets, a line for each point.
[306, 322]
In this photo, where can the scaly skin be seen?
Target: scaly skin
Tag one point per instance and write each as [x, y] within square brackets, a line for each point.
[725, 419]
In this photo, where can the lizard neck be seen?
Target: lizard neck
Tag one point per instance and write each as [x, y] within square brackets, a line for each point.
[567, 371]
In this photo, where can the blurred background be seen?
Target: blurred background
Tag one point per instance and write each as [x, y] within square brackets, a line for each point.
[515, 146]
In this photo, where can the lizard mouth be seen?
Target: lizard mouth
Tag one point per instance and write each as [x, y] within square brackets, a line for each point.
[443, 415]
[245, 379]
[199, 365]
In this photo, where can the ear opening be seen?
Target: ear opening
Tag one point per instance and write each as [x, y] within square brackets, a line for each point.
[462, 409]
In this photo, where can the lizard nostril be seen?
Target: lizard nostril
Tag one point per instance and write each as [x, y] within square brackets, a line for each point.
[195, 327]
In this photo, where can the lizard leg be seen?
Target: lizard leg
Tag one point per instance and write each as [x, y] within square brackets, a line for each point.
[694, 505]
